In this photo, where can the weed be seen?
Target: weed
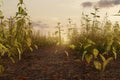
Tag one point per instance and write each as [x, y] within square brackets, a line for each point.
[98, 45]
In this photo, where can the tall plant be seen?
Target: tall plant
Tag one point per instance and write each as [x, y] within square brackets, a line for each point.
[16, 35]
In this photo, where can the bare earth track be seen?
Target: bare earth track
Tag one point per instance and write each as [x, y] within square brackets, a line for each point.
[51, 63]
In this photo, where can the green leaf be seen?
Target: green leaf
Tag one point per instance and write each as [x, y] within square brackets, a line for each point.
[56, 32]
[20, 53]
[24, 13]
[109, 45]
[2, 68]
[108, 48]
[29, 42]
[17, 13]
[90, 42]
[36, 46]
[18, 4]
[21, 1]
[105, 63]
[3, 49]
[80, 44]
[88, 58]
[1, 17]
[102, 57]
[67, 54]
[83, 55]
[11, 58]
[93, 13]
[96, 9]
[1, 13]
[72, 46]
[95, 52]
[31, 49]
[114, 52]
[20, 10]
[98, 16]
[86, 46]
[97, 65]
[118, 42]
[69, 29]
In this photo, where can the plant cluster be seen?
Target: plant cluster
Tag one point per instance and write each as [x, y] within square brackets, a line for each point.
[15, 35]
[98, 42]
[44, 40]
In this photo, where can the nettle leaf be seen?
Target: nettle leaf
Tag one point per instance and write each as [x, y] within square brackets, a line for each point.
[2, 68]
[72, 46]
[20, 10]
[88, 58]
[20, 53]
[105, 63]
[108, 48]
[93, 13]
[96, 9]
[29, 42]
[31, 49]
[56, 32]
[21, 1]
[18, 4]
[24, 13]
[1, 17]
[3, 49]
[97, 65]
[67, 54]
[36, 46]
[118, 42]
[17, 14]
[98, 16]
[11, 58]
[80, 44]
[90, 42]
[83, 55]
[0, 12]
[114, 52]
[102, 57]
[109, 45]
[88, 20]
[86, 46]
[69, 29]
[95, 53]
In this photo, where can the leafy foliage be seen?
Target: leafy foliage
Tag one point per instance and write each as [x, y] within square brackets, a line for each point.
[98, 42]
[15, 35]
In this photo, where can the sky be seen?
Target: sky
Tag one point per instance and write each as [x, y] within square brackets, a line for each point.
[47, 13]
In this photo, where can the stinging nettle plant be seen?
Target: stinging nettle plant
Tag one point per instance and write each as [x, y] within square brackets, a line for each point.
[98, 42]
[16, 35]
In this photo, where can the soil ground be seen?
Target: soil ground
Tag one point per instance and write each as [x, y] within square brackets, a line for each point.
[52, 63]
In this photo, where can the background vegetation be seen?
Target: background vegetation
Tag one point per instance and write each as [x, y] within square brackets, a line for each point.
[98, 43]
[17, 37]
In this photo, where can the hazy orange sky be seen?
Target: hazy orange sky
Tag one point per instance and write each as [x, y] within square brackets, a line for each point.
[52, 11]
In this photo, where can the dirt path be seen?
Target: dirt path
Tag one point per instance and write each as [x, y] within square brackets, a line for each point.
[52, 63]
